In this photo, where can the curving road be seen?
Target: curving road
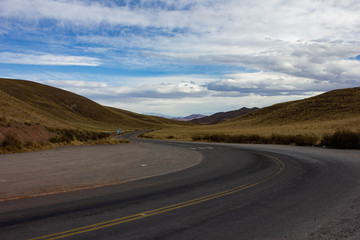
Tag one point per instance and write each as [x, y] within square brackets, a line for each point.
[235, 192]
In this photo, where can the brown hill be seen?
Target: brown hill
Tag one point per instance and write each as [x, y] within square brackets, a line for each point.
[222, 116]
[315, 116]
[334, 105]
[52, 107]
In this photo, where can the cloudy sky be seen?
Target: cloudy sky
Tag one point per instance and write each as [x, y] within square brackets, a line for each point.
[178, 57]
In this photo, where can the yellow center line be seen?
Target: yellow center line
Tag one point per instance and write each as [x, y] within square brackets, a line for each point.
[157, 211]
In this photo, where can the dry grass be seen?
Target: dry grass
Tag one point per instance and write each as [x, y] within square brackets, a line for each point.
[36, 104]
[66, 117]
[55, 108]
[111, 141]
[312, 117]
[304, 128]
[30, 111]
[12, 144]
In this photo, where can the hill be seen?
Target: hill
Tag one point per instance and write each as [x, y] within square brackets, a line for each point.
[334, 105]
[315, 116]
[27, 106]
[222, 116]
[32, 112]
[53, 107]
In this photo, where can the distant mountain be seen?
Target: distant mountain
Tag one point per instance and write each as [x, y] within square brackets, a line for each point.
[189, 118]
[222, 116]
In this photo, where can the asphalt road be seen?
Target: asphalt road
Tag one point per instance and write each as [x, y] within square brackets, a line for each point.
[235, 192]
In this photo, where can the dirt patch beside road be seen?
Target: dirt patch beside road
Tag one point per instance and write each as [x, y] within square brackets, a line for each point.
[78, 167]
[24, 133]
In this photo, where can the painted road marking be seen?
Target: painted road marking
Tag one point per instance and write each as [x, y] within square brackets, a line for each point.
[169, 208]
[201, 148]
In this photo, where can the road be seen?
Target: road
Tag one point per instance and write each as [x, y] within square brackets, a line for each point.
[78, 167]
[235, 192]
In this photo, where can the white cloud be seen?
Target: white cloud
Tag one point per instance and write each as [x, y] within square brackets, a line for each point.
[299, 38]
[47, 59]
[299, 48]
[101, 90]
[182, 95]
[265, 83]
[76, 84]
[290, 20]
[177, 97]
[75, 12]
[206, 105]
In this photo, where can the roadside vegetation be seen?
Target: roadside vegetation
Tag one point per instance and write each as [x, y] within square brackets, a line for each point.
[11, 143]
[34, 116]
[73, 135]
[299, 140]
[331, 119]
[343, 139]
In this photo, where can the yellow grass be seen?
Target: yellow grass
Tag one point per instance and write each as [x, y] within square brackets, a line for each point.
[315, 129]
[33, 103]
[26, 105]
[25, 101]
[314, 116]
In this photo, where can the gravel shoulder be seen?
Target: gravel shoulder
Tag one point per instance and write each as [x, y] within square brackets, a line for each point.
[79, 167]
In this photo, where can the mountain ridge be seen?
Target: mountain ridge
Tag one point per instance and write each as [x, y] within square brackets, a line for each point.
[223, 116]
[189, 118]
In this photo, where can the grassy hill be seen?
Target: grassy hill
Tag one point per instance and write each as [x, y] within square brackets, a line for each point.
[312, 117]
[333, 105]
[223, 116]
[31, 113]
[53, 107]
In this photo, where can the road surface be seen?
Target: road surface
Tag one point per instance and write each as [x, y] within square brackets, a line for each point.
[235, 192]
[79, 167]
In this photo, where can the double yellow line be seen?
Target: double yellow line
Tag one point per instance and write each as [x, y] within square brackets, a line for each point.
[150, 213]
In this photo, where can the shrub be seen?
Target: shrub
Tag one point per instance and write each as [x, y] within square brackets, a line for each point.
[11, 142]
[70, 135]
[304, 140]
[300, 140]
[343, 139]
[33, 145]
[282, 139]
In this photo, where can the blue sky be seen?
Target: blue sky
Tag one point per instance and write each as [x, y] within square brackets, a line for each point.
[179, 57]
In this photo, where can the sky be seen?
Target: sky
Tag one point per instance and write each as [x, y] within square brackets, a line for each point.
[179, 57]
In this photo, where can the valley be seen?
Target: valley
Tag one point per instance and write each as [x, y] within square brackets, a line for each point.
[32, 114]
